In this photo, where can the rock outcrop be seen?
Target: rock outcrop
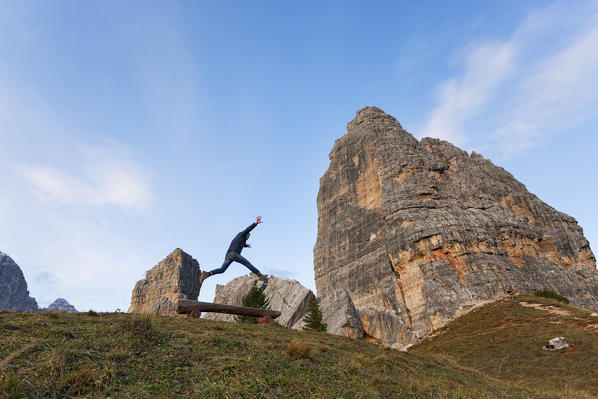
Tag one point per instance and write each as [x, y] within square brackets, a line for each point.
[418, 232]
[287, 296]
[61, 305]
[340, 314]
[14, 295]
[176, 277]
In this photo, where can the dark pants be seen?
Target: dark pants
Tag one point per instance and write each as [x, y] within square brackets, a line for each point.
[233, 256]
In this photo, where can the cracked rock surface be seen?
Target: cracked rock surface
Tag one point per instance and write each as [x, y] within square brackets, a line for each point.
[285, 295]
[175, 277]
[14, 295]
[419, 232]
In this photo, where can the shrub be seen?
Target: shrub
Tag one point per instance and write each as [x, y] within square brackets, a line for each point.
[552, 295]
[255, 298]
[141, 328]
[354, 365]
[299, 349]
[313, 319]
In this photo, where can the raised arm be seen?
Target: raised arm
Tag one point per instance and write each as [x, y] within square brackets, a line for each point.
[252, 226]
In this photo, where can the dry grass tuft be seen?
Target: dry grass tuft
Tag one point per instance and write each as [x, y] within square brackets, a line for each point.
[354, 365]
[142, 328]
[299, 349]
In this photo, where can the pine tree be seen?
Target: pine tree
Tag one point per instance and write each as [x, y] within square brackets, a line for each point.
[313, 319]
[255, 298]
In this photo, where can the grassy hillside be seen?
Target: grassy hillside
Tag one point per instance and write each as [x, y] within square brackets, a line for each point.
[504, 339]
[116, 355]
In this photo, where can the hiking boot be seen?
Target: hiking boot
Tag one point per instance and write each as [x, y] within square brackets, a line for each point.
[263, 277]
[204, 275]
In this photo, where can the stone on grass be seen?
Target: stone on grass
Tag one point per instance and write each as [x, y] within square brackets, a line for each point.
[555, 344]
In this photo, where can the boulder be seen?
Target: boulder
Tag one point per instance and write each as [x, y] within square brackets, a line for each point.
[61, 305]
[14, 295]
[555, 344]
[387, 326]
[421, 231]
[340, 315]
[287, 296]
[175, 277]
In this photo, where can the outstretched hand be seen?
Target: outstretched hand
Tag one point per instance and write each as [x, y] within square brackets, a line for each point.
[259, 220]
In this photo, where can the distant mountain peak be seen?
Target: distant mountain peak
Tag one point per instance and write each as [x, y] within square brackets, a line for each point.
[14, 295]
[61, 305]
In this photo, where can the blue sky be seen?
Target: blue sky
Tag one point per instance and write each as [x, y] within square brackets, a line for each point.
[128, 129]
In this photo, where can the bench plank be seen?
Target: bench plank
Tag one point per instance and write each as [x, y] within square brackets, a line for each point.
[187, 306]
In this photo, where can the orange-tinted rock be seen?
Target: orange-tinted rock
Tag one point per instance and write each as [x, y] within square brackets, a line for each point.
[418, 232]
[176, 277]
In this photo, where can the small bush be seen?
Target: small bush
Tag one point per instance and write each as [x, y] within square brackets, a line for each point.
[313, 319]
[255, 298]
[382, 359]
[78, 382]
[3, 311]
[551, 295]
[299, 349]
[353, 366]
[92, 313]
[142, 328]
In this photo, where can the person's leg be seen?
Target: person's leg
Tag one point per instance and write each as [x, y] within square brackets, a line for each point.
[227, 261]
[238, 258]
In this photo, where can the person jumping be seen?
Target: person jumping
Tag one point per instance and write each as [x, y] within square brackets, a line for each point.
[234, 254]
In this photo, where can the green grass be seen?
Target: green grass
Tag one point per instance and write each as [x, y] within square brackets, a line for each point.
[493, 352]
[47, 355]
[551, 295]
[504, 340]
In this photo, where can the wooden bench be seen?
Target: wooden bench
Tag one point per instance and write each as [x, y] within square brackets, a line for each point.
[187, 306]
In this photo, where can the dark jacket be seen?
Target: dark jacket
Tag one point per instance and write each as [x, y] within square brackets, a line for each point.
[240, 240]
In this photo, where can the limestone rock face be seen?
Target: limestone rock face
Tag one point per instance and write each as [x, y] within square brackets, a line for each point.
[14, 295]
[176, 277]
[61, 305]
[340, 315]
[419, 232]
[287, 296]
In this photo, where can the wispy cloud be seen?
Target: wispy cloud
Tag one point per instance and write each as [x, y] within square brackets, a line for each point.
[462, 97]
[107, 177]
[525, 88]
[557, 91]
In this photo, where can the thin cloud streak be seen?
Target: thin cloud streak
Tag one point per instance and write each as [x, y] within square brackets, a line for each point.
[462, 97]
[109, 179]
[524, 89]
[557, 92]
